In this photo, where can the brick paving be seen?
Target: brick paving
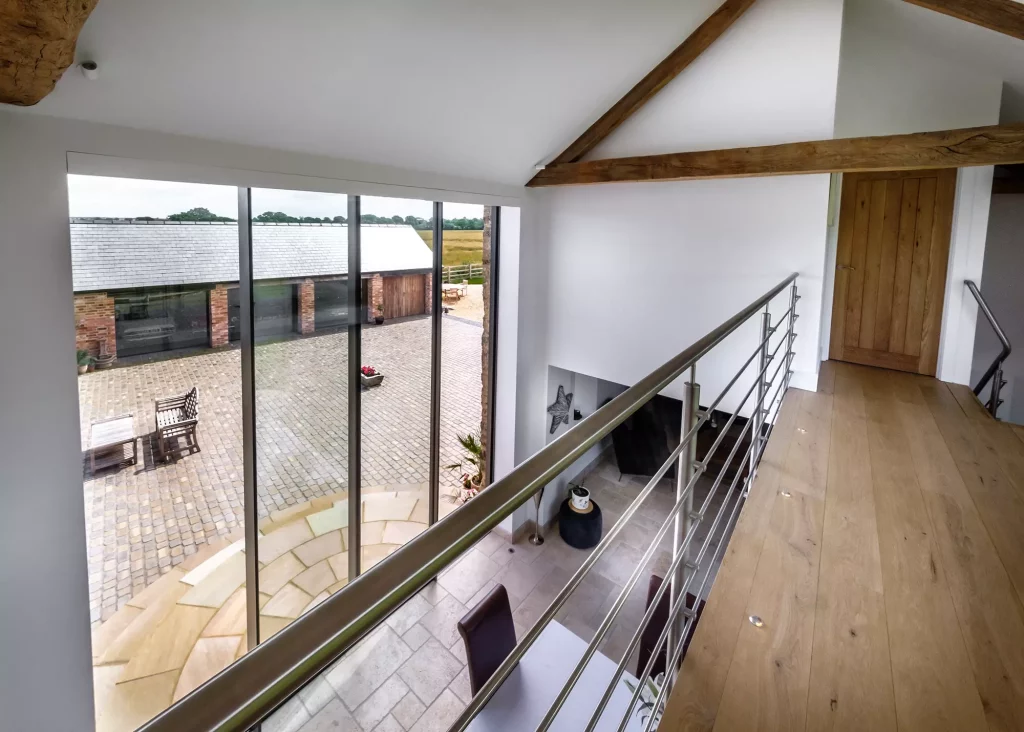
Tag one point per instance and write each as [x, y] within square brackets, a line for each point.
[143, 520]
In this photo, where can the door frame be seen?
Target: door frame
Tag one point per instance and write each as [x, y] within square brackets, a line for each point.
[935, 315]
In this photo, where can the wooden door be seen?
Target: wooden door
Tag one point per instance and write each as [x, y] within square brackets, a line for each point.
[404, 295]
[894, 231]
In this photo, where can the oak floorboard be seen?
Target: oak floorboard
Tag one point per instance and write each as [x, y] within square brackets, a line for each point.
[932, 681]
[767, 684]
[697, 693]
[991, 619]
[851, 680]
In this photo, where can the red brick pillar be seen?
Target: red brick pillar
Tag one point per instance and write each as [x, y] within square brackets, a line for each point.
[376, 296]
[219, 317]
[95, 331]
[307, 307]
[428, 287]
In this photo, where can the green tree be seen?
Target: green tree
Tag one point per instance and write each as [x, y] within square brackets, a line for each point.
[276, 217]
[197, 214]
[340, 220]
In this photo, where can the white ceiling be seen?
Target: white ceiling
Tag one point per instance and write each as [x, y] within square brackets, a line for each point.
[478, 88]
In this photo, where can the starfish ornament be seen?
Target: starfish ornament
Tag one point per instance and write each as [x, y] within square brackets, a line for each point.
[559, 411]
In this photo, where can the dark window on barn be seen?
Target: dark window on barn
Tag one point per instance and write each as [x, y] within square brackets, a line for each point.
[276, 310]
[331, 307]
[234, 315]
[161, 319]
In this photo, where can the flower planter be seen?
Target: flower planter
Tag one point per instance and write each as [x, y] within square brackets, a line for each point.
[103, 361]
[369, 381]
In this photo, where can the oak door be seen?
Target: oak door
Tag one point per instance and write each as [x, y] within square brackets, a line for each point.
[894, 231]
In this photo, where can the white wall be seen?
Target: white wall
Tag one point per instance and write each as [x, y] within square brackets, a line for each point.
[1001, 286]
[622, 277]
[46, 681]
[888, 85]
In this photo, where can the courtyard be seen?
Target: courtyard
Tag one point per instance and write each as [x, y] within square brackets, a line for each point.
[144, 520]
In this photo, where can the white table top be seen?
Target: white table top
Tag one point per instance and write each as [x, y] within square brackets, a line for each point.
[521, 702]
[111, 432]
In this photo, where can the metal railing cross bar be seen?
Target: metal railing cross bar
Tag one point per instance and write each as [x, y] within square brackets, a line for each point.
[687, 628]
[246, 692]
[653, 605]
[613, 612]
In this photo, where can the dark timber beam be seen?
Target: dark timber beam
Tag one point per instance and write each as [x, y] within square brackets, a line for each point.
[1002, 16]
[997, 145]
[687, 52]
[37, 43]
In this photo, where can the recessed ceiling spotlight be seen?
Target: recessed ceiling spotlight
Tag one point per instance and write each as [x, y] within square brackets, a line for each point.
[90, 69]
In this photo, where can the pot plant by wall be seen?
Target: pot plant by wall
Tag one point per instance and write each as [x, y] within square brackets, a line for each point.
[84, 360]
[379, 314]
[471, 468]
[369, 376]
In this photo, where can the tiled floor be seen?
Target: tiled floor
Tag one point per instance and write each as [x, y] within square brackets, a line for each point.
[410, 674]
[144, 520]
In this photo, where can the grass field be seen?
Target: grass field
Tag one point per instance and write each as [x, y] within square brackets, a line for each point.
[460, 247]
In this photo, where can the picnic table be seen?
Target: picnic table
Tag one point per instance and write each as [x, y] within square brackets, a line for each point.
[107, 438]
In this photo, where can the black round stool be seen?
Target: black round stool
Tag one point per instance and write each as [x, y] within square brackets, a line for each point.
[580, 530]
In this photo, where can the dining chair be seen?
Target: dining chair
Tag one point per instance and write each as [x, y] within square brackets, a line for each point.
[489, 636]
[657, 624]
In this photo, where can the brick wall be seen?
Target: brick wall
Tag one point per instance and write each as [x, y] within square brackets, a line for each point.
[307, 307]
[95, 331]
[219, 335]
[428, 292]
[376, 296]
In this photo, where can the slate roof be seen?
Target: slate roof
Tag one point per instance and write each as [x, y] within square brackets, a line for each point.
[110, 254]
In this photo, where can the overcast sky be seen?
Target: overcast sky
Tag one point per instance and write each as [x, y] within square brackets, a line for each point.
[90, 195]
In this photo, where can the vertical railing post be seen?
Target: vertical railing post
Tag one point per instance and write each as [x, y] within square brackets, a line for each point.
[997, 386]
[685, 468]
[759, 411]
[791, 332]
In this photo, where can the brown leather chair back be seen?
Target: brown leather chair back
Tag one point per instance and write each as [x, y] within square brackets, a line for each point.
[489, 636]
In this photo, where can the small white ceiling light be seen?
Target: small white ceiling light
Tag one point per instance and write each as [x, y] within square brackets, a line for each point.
[90, 69]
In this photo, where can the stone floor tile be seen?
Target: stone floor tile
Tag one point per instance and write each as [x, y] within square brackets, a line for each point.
[458, 649]
[332, 718]
[368, 665]
[389, 724]
[460, 686]
[430, 670]
[288, 603]
[439, 715]
[408, 711]
[316, 579]
[279, 572]
[320, 548]
[433, 592]
[209, 657]
[464, 578]
[416, 636]
[380, 703]
[407, 616]
[442, 620]
[316, 694]
[520, 578]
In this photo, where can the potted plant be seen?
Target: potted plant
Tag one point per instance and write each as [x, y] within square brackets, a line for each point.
[379, 310]
[648, 695]
[471, 467]
[84, 360]
[369, 376]
[104, 360]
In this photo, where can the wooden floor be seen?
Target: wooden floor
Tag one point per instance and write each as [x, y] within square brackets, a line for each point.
[882, 545]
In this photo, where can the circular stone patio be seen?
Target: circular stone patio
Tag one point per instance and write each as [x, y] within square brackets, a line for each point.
[191, 624]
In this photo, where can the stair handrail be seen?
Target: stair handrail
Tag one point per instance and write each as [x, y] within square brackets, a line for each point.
[995, 370]
[245, 693]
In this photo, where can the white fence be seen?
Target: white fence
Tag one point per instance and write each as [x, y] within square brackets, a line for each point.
[458, 273]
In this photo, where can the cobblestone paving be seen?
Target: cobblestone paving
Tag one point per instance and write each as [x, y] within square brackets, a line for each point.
[143, 520]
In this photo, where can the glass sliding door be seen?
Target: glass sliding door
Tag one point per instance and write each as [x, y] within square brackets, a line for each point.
[160, 398]
[396, 389]
[299, 244]
[467, 248]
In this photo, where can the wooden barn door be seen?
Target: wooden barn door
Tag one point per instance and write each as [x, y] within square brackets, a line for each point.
[404, 295]
[894, 231]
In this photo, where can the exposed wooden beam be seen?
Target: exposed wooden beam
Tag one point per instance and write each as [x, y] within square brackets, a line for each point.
[947, 149]
[1002, 16]
[37, 43]
[688, 51]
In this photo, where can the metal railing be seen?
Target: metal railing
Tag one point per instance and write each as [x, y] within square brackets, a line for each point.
[247, 692]
[995, 371]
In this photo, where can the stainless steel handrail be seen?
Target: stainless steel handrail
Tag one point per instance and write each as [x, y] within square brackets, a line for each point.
[996, 369]
[245, 693]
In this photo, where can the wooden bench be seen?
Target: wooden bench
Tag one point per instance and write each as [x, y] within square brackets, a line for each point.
[177, 417]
